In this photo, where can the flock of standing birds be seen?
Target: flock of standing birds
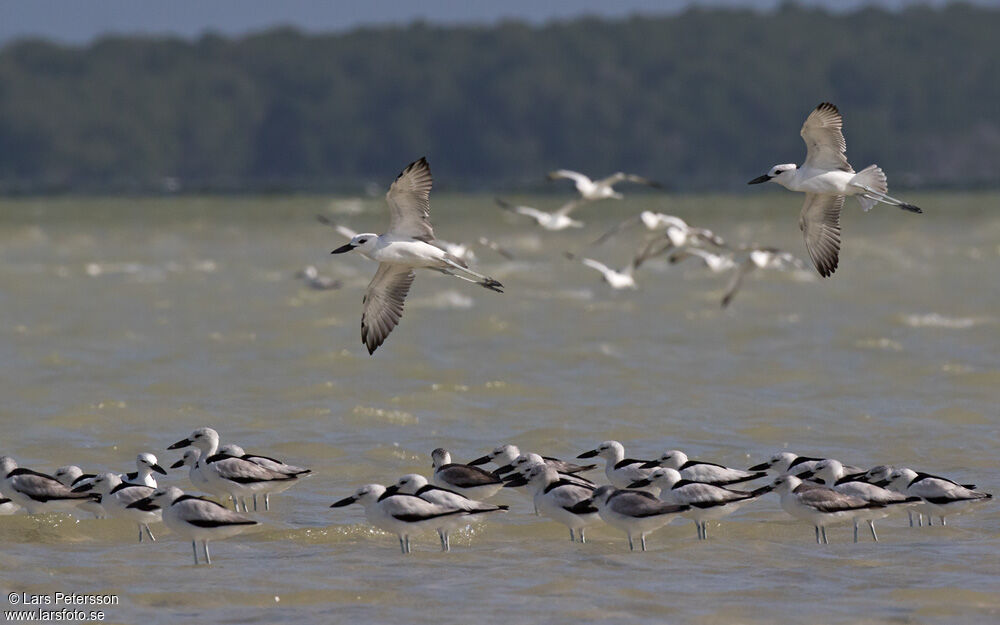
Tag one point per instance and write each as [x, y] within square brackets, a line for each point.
[642, 495]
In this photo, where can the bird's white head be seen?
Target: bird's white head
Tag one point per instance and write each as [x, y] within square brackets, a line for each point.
[364, 243]
[782, 174]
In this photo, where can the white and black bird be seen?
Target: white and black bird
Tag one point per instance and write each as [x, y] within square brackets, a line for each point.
[673, 231]
[635, 512]
[555, 221]
[707, 502]
[408, 244]
[195, 518]
[271, 464]
[314, 280]
[827, 179]
[701, 471]
[759, 258]
[621, 471]
[617, 279]
[505, 455]
[416, 484]
[36, 492]
[716, 263]
[72, 476]
[941, 496]
[196, 473]
[787, 462]
[602, 189]
[403, 515]
[819, 505]
[559, 498]
[832, 474]
[146, 464]
[465, 479]
[117, 496]
[232, 475]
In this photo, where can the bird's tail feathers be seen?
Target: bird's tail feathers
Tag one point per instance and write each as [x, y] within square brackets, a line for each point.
[871, 177]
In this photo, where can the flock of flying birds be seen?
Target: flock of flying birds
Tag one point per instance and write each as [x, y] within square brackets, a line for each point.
[642, 495]
[825, 177]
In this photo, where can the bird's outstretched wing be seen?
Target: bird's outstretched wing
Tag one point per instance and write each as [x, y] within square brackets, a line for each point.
[575, 176]
[737, 281]
[383, 303]
[568, 207]
[615, 230]
[595, 264]
[820, 225]
[344, 231]
[825, 145]
[409, 202]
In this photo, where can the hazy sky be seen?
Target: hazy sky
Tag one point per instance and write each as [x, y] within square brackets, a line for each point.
[80, 21]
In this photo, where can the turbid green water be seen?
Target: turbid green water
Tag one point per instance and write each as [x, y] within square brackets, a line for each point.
[127, 323]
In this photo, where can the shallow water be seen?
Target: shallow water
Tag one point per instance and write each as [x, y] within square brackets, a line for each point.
[127, 323]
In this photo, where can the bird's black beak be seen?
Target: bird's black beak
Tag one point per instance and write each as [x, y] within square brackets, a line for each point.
[181, 443]
[346, 501]
[640, 483]
[588, 454]
[82, 488]
[158, 469]
[881, 483]
[343, 248]
[805, 475]
[652, 464]
[480, 460]
[178, 464]
[507, 468]
[516, 482]
[760, 179]
[763, 466]
[391, 490]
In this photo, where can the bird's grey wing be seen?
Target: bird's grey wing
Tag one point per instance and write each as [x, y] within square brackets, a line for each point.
[612, 179]
[244, 472]
[615, 230]
[653, 247]
[569, 495]
[637, 504]
[820, 225]
[826, 500]
[825, 145]
[575, 176]
[467, 477]
[646, 181]
[568, 207]
[595, 264]
[409, 202]
[736, 281]
[204, 513]
[712, 495]
[704, 235]
[132, 494]
[43, 488]
[383, 303]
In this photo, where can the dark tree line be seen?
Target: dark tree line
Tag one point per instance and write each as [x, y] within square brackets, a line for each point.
[703, 97]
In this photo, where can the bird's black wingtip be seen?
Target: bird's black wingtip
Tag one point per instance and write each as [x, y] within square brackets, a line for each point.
[911, 208]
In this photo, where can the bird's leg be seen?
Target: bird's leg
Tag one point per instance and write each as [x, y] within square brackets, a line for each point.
[194, 548]
[481, 280]
[642, 538]
[704, 530]
[855, 530]
[255, 502]
[208, 558]
[267, 501]
[816, 527]
[151, 537]
[408, 544]
[140, 533]
[583, 538]
[572, 536]
[943, 521]
[402, 545]
[910, 513]
[826, 541]
[631, 547]
[871, 524]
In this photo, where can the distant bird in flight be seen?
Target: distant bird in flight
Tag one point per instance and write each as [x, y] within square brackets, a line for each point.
[558, 220]
[409, 243]
[760, 258]
[827, 178]
[591, 190]
[315, 281]
[716, 263]
[677, 231]
[458, 250]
